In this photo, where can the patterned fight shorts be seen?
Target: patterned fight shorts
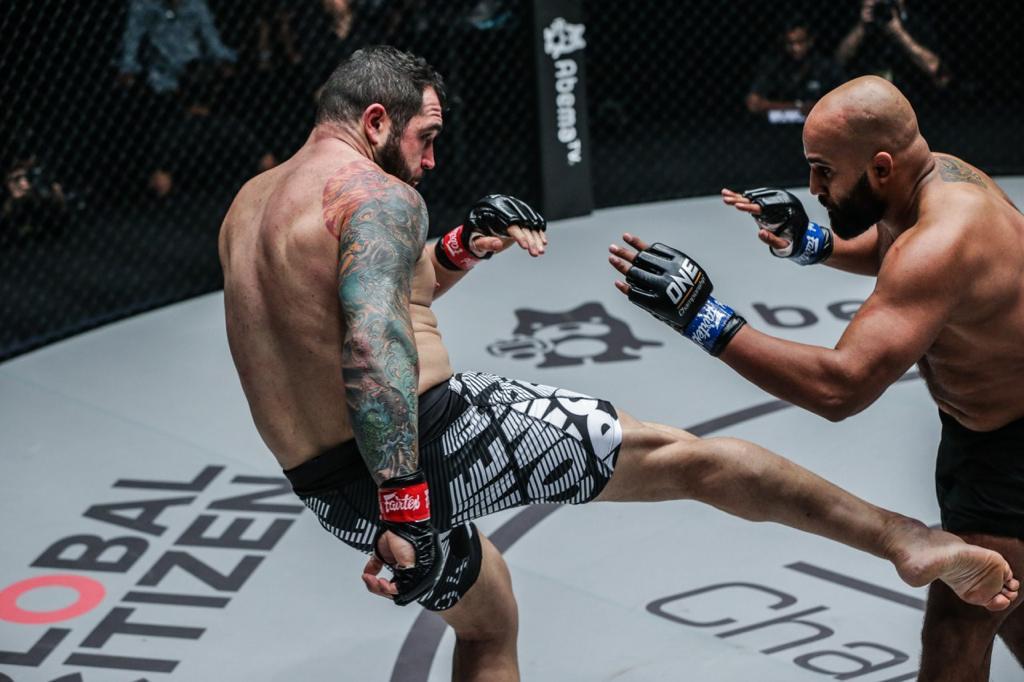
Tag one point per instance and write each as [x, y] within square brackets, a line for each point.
[486, 444]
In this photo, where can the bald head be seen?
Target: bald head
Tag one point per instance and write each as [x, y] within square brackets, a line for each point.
[865, 115]
[865, 153]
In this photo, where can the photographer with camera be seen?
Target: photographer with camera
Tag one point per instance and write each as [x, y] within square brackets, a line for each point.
[35, 205]
[793, 78]
[888, 41]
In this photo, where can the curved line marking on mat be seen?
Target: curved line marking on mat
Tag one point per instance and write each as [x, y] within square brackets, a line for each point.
[416, 656]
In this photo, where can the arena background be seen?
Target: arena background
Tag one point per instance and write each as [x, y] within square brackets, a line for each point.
[665, 88]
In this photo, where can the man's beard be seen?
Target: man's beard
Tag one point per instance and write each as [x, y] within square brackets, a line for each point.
[856, 213]
[389, 158]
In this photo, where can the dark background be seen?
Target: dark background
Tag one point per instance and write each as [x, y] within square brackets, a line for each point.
[666, 84]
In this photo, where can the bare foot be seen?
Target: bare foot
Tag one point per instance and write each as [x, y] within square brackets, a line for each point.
[978, 576]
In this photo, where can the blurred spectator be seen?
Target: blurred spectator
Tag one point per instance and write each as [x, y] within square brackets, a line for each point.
[486, 15]
[270, 71]
[408, 24]
[201, 149]
[175, 33]
[890, 42]
[275, 40]
[329, 38]
[789, 81]
[35, 205]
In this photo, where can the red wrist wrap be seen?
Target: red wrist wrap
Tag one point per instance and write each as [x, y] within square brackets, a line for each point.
[461, 257]
[403, 505]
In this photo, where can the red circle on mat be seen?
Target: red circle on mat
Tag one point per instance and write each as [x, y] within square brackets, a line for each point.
[90, 593]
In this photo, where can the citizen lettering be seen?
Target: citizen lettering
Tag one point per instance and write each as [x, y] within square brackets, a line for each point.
[205, 559]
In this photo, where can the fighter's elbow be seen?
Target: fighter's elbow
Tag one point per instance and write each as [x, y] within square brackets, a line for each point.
[836, 414]
[835, 409]
[845, 394]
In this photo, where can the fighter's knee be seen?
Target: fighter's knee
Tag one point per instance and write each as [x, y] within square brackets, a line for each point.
[700, 464]
[487, 614]
[497, 633]
[497, 624]
[723, 463]
[732, 456]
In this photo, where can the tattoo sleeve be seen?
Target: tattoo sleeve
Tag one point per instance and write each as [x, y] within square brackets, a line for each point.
[381, 225]
[952, 170]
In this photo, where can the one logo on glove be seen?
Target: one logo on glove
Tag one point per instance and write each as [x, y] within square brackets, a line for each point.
[562, 38]
[584, 334]
[683, 282]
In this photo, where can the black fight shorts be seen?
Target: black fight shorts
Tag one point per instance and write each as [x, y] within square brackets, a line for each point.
[979, 479]
[486, 444]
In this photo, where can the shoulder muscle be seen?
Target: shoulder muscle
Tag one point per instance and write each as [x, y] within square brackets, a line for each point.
[381, 225]
[362, 192]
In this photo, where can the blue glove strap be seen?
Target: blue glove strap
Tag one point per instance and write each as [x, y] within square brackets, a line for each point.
[708, 324]
[815, 247]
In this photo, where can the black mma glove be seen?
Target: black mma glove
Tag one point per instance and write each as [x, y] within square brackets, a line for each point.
[405, 511]
[490, 217]
[675, 289]
[783, 215]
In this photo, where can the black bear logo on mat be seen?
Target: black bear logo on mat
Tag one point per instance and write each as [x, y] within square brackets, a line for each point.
[584, 333]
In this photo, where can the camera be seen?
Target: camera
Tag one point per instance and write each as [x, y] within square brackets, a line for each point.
[883, 10]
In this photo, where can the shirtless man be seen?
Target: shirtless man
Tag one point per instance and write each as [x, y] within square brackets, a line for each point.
[328, 287]
[947, 247]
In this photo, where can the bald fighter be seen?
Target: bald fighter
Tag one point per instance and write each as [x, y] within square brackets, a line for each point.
[328, 292]
[947, 248]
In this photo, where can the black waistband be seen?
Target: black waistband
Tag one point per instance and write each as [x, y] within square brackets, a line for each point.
[438, 407]
[951, 426]
[332, 467]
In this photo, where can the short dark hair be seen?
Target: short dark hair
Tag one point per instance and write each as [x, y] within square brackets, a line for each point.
[378, 74]
[797, 21]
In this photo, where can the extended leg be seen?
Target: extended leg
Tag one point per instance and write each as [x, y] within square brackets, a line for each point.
[748, 481]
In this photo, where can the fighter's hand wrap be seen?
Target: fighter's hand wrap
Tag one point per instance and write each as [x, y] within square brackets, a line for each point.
[783, 215]
[491, 216]
[405, 511]
[675, 289]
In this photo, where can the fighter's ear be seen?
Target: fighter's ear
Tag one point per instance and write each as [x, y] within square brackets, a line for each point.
[882, 164]
[376, 123]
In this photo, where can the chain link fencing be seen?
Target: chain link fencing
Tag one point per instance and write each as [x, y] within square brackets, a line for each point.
[127, 126]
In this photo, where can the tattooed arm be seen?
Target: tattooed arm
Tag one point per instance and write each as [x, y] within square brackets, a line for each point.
[378, 248]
